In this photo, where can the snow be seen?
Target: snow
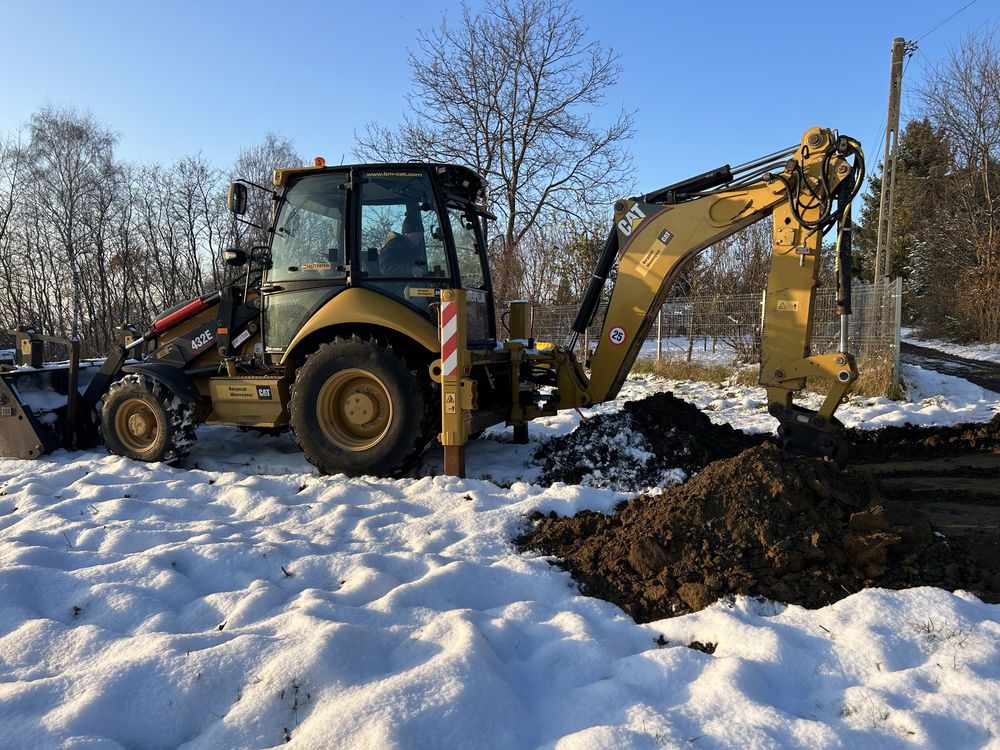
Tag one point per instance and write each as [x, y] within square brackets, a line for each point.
[932, 399]
[982, 352]
[244, 601]
[706, 351]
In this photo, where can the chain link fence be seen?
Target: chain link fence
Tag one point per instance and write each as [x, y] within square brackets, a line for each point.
[726, 329]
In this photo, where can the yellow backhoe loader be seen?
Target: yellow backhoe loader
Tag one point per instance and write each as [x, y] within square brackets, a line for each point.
[367, 324]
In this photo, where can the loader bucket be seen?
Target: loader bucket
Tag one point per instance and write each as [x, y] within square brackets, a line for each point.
[22, 435]
[41, 408]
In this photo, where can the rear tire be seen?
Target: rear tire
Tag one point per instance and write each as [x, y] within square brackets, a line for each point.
[357, 408]
[144, 420]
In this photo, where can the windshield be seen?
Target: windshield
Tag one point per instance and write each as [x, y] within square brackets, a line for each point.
[309, 238]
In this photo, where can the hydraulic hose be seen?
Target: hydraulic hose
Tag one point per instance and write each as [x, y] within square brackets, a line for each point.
[593, 296]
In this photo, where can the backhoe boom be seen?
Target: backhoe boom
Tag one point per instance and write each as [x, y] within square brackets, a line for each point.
[657, 235]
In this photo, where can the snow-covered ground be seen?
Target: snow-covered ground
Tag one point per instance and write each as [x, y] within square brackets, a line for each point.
[983, 352]
[703, 350]
[245, 601]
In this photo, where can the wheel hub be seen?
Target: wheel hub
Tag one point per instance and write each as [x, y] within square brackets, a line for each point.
[136, 425]
[354, 409]
[360, 408]
[140, 425]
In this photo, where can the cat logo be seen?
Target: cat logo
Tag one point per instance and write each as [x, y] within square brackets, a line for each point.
[264, 393]
[631, 220]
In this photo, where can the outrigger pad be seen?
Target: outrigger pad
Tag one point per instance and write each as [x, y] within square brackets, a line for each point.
[805, 432]
[21, 434]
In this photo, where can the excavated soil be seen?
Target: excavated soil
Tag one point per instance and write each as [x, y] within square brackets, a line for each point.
[909, 443]
[657, 434]
[919, 506]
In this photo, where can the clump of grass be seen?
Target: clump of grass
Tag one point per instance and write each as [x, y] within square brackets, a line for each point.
[680, 369]
[874, 375]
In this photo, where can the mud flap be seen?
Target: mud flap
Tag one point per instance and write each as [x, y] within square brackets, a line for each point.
[22, 435]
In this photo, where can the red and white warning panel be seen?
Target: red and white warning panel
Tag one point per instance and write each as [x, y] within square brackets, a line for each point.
[449, 338]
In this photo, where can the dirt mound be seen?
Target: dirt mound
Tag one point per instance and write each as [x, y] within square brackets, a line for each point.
[793, 529]
[642, 445]
[913, 443]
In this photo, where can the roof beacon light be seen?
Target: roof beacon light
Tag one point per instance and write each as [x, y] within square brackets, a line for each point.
[319, 161]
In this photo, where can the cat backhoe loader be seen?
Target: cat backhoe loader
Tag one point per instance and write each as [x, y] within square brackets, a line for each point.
[367, 325]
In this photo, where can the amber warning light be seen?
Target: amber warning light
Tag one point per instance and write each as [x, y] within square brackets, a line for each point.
[319, 161]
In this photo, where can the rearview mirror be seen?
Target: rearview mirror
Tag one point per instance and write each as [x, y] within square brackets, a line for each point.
[237, 200]
[235, 256]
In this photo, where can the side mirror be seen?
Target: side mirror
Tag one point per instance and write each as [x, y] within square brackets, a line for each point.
[237, 200]
[235, 256]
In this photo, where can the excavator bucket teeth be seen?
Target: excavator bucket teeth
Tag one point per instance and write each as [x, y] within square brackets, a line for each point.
[22, 434]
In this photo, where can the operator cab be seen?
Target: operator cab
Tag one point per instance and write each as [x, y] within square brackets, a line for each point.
[403, 230]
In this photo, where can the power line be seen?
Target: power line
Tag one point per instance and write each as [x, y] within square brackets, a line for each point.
[942, 23]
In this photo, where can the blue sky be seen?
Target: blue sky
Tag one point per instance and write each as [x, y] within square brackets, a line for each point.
[713, 82]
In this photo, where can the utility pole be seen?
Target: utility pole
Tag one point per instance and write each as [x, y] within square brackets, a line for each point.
[883, 254]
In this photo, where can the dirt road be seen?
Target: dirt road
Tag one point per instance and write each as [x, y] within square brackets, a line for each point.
[983, 374]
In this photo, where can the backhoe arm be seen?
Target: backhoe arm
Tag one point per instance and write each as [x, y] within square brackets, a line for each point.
[806, 189]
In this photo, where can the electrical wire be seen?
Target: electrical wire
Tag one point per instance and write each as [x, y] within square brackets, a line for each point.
[942, 23]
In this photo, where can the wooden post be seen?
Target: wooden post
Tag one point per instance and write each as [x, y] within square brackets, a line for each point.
[456, 389]
[883, 242]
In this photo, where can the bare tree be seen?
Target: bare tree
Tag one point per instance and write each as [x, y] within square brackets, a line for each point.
[257, 164]
[513, 92]
[962, 97]
[88, 243]
[11, 289]
[737, 264]
[70, 156]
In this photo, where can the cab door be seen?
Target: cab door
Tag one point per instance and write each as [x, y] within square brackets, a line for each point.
[309, 255]
[402, 242]
[470, 252]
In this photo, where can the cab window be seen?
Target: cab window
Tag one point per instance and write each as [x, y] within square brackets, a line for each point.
[470, 263]
[401, 237]
[309, 239]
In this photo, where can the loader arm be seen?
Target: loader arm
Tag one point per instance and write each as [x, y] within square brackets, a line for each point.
[657, 235]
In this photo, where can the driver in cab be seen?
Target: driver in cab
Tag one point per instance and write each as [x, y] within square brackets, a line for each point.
[405, 254]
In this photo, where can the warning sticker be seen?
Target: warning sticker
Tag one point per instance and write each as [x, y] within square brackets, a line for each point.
[787, 305]
[450, 403]
[617, 336]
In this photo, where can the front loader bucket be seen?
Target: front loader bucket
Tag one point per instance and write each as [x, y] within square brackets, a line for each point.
[22, 435]
[41, 407]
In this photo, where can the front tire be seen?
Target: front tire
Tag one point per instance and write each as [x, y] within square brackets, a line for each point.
[143, 419]
[357, 408]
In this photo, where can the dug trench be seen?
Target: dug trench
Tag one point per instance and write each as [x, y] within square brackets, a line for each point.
[917, 507]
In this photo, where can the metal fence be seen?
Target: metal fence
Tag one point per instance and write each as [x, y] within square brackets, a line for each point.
[729, 326]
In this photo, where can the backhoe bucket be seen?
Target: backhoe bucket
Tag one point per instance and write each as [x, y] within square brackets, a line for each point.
[40, 403]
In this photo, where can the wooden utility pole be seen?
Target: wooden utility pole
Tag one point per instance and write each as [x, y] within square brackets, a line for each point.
[883, 253]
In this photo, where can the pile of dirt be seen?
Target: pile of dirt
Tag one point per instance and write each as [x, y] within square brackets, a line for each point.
[642, 445]
[796, 530]
[910, 443]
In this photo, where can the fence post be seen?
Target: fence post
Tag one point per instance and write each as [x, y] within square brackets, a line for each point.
[898, 323]
[659, 333]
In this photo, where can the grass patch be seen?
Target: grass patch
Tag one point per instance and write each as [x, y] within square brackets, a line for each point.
[680, 369]
[874, 376]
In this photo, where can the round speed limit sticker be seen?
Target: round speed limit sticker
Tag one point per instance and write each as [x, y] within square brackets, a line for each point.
[617, 336]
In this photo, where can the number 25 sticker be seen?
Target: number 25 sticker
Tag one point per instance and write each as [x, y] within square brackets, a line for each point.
[617, 335]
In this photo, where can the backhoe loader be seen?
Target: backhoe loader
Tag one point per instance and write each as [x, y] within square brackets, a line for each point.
[366, 324]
